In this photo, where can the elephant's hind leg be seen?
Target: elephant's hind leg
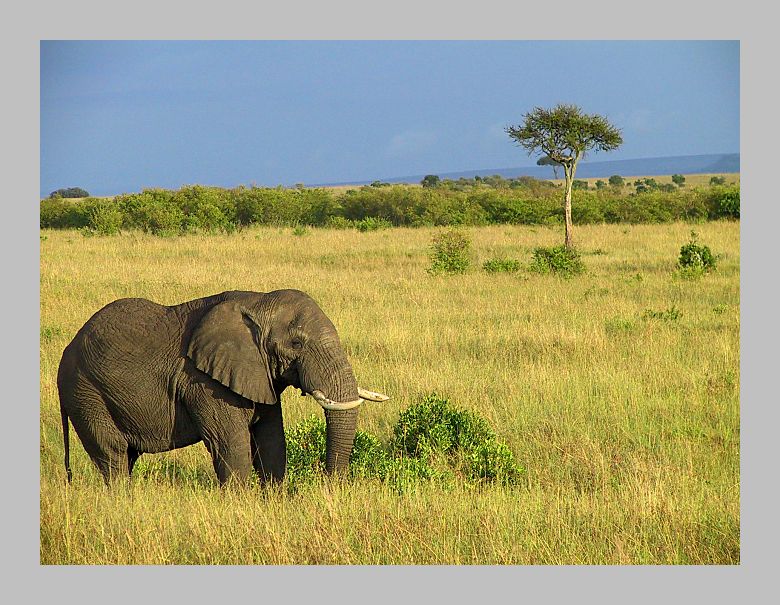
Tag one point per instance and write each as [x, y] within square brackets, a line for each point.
[101, 438]
[110, 454]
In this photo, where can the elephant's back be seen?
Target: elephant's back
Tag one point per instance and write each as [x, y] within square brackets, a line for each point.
[129, 333]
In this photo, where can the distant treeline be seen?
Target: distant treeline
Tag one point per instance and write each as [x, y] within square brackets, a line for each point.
[70, 192]
[199, 208]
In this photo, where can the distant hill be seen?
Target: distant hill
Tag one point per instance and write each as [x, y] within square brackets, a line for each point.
[681, 164]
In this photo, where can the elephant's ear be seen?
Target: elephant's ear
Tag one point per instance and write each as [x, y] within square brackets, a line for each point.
[226, 345]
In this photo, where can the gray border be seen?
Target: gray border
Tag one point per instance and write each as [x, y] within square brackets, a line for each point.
[356, 20]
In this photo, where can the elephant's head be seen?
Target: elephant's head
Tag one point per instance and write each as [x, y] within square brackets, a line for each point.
[257, 346]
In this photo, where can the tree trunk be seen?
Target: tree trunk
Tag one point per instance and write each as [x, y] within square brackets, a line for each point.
[569, 171]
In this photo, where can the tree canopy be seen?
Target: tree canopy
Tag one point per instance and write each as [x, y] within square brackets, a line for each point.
[564, 133]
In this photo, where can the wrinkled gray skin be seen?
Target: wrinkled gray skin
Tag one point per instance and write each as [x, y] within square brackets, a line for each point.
[142, 377]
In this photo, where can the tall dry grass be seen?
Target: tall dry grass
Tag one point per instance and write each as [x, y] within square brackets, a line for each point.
[628, 426]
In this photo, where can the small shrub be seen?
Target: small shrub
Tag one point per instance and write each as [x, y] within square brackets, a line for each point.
[403, 474]
[300, 230]
[557, 259]
[636, 278]
[492, 461]
[501, 265]
[49, 333]
[371, 223]
[339, 222]
[368, 458]
[594, 291]
[433, 429]
[670, 314]
[306, 449]
[695, 258]
[450, 252]
[618, 325]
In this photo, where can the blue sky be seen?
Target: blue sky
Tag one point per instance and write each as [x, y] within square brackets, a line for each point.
[123, 115]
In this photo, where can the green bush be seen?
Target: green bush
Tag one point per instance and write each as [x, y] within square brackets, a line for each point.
[557, 259]
[432, 440]
[208, 209]
[154, 211]
[501, 265]
[58, 213]
[434, 425]
[372, 224]
[339, 222]
[727, 202]
[670, 314]
[450, 252]
[305, 449]
[300, 230]
[435, 431]
[104, 217]
[696, 258]
[368, 459]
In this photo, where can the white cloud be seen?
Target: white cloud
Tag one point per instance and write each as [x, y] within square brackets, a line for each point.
[639, 120]
[410, 142]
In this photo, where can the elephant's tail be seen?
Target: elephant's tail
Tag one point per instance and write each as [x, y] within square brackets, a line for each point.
[66, 440]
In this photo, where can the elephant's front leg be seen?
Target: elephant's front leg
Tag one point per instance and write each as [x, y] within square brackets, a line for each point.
[269, 451]
[231, 456]
[223, 427]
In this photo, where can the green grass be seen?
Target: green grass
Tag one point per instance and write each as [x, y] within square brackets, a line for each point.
[626, 424]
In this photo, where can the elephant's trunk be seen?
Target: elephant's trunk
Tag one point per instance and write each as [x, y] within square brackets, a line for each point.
[340, 436]
[332, 384]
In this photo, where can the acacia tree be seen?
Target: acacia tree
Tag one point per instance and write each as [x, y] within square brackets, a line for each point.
[546, 160]
[564, 133]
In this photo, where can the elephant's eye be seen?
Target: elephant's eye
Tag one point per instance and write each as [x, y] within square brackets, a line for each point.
[296, 344]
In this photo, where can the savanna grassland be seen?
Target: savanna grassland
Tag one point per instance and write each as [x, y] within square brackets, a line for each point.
[616, 390]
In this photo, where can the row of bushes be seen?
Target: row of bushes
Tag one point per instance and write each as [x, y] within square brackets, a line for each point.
[199, 208]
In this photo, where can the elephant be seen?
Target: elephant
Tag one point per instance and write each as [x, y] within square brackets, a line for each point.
[140, 377]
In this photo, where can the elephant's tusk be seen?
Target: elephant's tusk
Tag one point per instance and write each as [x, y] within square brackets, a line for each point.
[328, 404]
[371, 395]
